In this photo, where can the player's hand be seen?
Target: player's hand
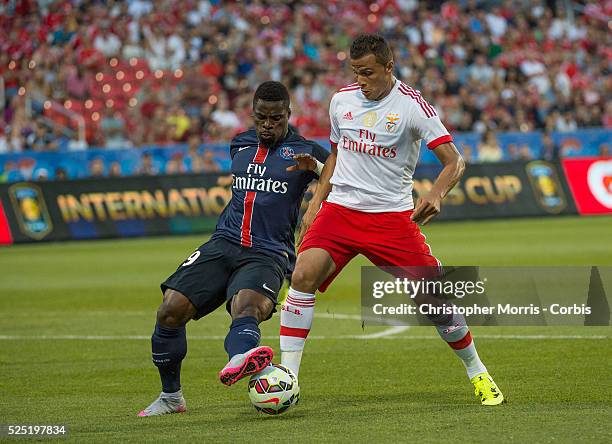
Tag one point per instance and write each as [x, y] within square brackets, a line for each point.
[304, 162]
[427, 208]
[307, 220]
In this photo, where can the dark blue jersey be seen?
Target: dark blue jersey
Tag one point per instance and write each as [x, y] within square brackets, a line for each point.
[266, 198]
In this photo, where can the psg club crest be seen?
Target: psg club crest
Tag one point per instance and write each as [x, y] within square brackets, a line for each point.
[286, 152]
[30, 210]
[392, 120]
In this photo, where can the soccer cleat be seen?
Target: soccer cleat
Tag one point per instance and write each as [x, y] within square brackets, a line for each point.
[245, 364]
[486, 389]
[164, 405]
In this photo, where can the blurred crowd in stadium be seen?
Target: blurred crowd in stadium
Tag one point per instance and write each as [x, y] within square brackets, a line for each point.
[143, 72]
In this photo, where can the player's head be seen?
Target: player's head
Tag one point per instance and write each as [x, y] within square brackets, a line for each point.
[271, 112]
[372, 63]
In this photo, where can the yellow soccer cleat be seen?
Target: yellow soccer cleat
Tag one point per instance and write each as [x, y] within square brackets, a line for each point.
[486, 389]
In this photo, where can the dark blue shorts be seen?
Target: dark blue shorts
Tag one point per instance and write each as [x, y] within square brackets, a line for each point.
[219, 269]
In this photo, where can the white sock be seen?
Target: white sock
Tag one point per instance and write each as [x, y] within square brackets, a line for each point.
[466, 351]
[296, 320]
[175, 395]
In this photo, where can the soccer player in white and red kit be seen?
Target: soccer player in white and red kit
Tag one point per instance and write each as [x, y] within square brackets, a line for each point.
[363, 204]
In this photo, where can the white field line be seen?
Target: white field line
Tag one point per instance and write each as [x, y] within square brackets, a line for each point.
[380, 335]
[386, 333]
[352, 317]
[389, 333]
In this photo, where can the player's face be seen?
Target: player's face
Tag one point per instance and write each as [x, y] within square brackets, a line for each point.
[271, 121]
[373, 78]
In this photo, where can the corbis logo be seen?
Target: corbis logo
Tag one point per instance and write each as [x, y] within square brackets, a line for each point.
[286, 152]
[30, 210]
[546, 186]
[391, 124]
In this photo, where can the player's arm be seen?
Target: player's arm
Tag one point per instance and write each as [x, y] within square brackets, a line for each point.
[322, 191]
[428, 206]
[324, 186]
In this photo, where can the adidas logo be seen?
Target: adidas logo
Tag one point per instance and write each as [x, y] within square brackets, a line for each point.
[348, 116]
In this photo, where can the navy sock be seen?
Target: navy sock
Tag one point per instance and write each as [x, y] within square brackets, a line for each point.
[168, 348]
[243, 335]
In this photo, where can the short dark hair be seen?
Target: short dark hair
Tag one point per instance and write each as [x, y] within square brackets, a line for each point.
[372, 44]
[272, 91]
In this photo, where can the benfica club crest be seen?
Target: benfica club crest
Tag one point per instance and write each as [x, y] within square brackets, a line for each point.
[392, 120]
[30, 210]
[286, 152]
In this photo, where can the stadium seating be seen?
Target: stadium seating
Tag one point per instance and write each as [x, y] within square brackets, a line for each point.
[546, 73]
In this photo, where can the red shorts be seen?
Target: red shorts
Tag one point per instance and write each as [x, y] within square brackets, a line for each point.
[386, 239]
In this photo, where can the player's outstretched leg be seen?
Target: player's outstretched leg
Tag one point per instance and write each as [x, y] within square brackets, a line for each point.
[296, 320]
[312, 268]
[168, 349]
[454, 330]
[248, 309]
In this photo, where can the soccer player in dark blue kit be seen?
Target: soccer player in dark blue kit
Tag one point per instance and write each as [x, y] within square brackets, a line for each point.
[245, 261]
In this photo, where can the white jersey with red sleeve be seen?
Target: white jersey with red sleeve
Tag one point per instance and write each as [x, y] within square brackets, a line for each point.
[378, 146]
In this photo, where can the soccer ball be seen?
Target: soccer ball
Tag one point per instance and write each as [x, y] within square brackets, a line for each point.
[274, 389]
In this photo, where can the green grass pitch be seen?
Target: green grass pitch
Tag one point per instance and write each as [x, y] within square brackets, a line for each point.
[393, 389]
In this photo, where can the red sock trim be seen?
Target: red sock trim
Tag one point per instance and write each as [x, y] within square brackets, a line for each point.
[462, 343]
[295, 332]
[300, 303]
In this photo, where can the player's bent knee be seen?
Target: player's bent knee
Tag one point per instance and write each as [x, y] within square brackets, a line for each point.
[176, 310]
[313, 266]
[252, 310]
[303, 279]
[308, 277]
[250, 303]
[170, 317]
